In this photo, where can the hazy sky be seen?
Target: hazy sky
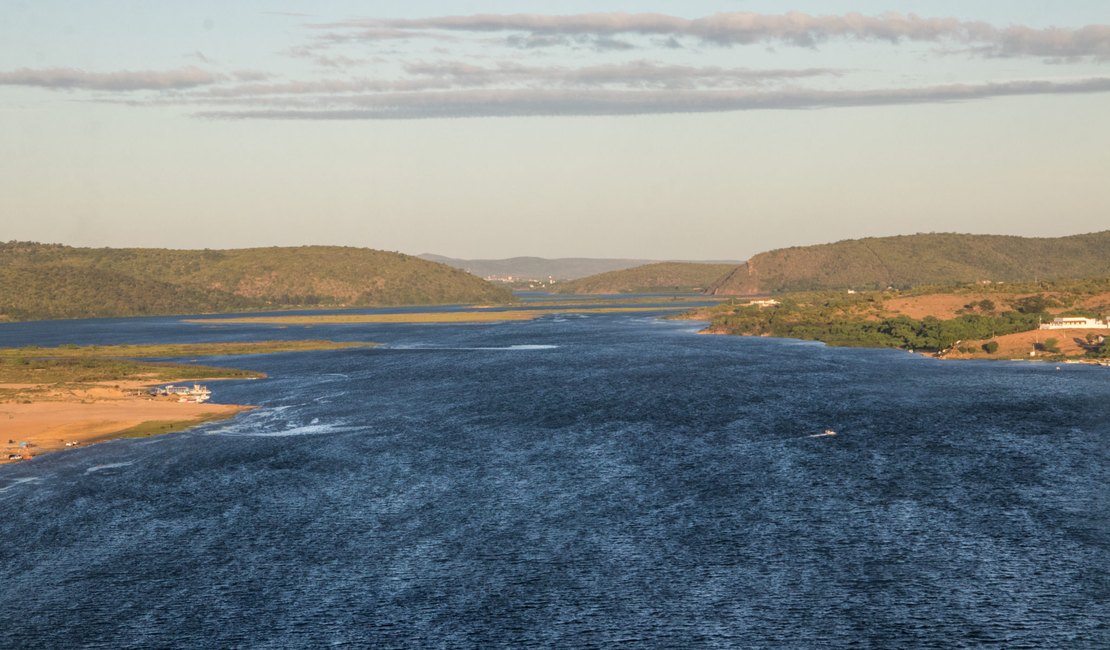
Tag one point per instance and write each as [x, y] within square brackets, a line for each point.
[682, 130]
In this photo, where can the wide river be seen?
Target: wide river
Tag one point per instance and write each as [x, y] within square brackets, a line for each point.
[574, 481]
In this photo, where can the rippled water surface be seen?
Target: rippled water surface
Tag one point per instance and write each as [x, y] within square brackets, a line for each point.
[574, 481]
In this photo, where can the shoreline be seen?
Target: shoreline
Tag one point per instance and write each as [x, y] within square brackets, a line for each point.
[70, 417]
[1069, 360]
[58, 398]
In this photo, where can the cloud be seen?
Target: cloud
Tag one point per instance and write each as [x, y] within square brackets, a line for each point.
[121, 81]
[545, 102]
[632, 74]
[738, 28]
[574, 41]
[251, 75]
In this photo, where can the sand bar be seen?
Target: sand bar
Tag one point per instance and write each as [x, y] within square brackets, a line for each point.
[81, 416]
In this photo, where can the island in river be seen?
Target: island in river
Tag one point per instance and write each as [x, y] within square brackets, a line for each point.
[58, 397]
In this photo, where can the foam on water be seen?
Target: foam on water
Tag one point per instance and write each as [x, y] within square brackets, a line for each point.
[304, 430]
[100, 468]
[274, 427]
[522, 347]
[19, 481]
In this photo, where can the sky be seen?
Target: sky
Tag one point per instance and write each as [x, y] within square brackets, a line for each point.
[489, 129]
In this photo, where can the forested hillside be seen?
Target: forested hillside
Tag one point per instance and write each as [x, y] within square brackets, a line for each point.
[54, 281]
[662, 276]
[537, 268]
[913, 260]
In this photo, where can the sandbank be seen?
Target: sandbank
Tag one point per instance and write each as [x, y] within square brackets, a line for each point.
[81, 416]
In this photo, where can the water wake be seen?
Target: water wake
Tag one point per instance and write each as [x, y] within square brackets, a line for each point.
[20, 481]
[98, 468]
[509, 347]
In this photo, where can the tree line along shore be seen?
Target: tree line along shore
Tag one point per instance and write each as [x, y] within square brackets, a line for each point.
[981, 320]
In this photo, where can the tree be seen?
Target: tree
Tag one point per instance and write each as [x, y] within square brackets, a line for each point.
[990, 347]
[1032, 304]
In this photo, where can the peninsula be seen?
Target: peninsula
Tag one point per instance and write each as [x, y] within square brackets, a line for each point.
[1053, 321]
[58, 397]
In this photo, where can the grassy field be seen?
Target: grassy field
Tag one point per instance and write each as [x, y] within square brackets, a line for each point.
[160, 427]
[100, 363]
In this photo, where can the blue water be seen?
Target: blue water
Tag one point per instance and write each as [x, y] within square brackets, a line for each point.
[574, 482]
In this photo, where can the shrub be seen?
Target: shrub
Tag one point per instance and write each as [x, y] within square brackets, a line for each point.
[990, 347]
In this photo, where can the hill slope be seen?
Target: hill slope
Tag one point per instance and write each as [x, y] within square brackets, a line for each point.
[537, 268]
[911, 260]
[661, 276]
[54, 281]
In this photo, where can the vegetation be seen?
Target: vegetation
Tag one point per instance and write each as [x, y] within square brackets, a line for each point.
[41, 281]
[873, 319]
[91, 364]
[162, 427]
[650, 278]
[915, 260]
[537, 268]
[87, 370]
[838, 321]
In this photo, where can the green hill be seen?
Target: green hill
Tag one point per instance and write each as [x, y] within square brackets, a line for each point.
[537, 268]
[910, 260]
[650, 278]
[55, 281]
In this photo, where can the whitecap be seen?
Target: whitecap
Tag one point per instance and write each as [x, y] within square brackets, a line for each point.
[305, 430]
[512, 348]
[97, 468]
[20, 481]
[270, 429]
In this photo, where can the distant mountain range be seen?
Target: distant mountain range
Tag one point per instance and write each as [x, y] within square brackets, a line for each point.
[911, 260]
[41, 281]
[650, 278]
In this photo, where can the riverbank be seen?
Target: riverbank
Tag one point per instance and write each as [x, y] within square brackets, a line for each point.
[970, 323]
[51, 418]
[58, 398]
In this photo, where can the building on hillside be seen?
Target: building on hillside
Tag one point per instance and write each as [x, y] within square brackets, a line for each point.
[1076, 323]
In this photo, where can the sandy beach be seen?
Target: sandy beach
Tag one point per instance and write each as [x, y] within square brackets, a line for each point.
[44, 418]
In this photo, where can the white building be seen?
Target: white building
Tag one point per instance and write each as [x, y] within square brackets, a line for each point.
[1076, 323]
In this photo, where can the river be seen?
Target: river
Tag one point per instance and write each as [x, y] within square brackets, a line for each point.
[573, 481]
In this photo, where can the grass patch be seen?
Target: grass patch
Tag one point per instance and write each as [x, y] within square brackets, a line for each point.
[104, 363]
[161, 427]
